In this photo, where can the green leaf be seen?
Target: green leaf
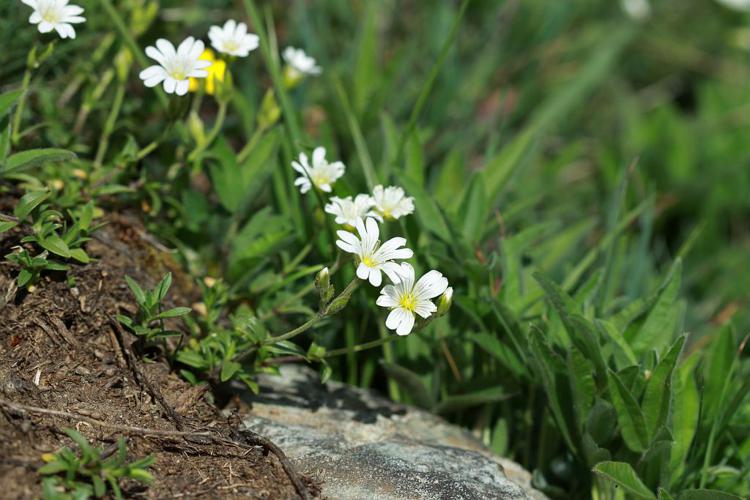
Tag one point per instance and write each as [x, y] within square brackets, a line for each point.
[719, 361]
[7, 226]
[162, 288]
[140, 295]
[623, 475]
[173, 313]
[658, 397]
[664, 495]
[685, 412]
[99, 486]
[474, 207]
[460, 402]
[7, 100]
[581, 383]
[228, 369]
[56, 245]
[427, 211]
[629, 415]
[704, 494]
[79, 255]
[663, 319]
[29, 202]
[33, 157]
[53, 467]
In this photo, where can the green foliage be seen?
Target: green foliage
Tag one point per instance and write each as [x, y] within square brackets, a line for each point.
[90, 471]
[149, 322]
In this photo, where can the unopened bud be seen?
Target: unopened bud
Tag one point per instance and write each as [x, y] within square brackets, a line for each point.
[270, 112]
[342, 300]
[196, 128]
[446, 300]
[323, 285]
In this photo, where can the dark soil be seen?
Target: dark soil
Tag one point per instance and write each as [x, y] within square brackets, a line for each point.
[61, 350]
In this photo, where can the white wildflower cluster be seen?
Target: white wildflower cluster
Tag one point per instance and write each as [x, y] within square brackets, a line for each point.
[407, 297]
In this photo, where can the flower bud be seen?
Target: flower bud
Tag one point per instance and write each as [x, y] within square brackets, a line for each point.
[446, 300]
[196, 129]
[269, 112]
[342, 300]
[323, 285]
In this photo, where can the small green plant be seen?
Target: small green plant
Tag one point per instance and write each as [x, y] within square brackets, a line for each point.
[51, 231]
[91, 471]
[149, 322]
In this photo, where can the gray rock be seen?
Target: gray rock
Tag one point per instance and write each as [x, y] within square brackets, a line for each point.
[362, 446]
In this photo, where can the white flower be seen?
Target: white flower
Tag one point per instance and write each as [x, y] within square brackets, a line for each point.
[736, 4]
[175, 68]
[55, 15]
[392, 202]
[322, 174]
[347, 211]
[301, 62]
[407, 298]
[373, 257]
[638, 10]
[233, 39]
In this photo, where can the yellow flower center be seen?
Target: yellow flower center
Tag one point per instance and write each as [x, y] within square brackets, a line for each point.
[368, 261]
[51, 16]
[408, 301]
[231, 46]
[178, 75]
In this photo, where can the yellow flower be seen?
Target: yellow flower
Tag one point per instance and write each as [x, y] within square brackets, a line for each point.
[216, 72]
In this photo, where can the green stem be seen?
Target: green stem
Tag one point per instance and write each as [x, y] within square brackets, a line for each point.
[297, 331]
[427, 87]
[212, 134]
[128, 39]
[22, 101]
[361, 347]
[109, 125]
[290, 117]
[245, 152]
[390, 358]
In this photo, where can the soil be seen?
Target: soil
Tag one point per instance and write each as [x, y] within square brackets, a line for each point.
[61, 351]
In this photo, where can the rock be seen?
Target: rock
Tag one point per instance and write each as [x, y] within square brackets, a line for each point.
[360, 445]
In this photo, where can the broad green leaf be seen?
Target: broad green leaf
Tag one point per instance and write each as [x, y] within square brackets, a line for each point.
[32, 157]
[80, 255]
[140, 295]
[658, 397]
[629, 414]
[228, 369]
[56, 245]
[663, 319]
[7, 225]
[29, 202]
[719, 361]
[7, 100]
[581, 376]
[623, 475]
[685, 413]
[163, 287]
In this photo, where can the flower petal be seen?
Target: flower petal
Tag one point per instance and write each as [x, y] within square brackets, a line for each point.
[430, 285]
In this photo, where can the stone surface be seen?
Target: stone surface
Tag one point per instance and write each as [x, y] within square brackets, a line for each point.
[362, 446]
